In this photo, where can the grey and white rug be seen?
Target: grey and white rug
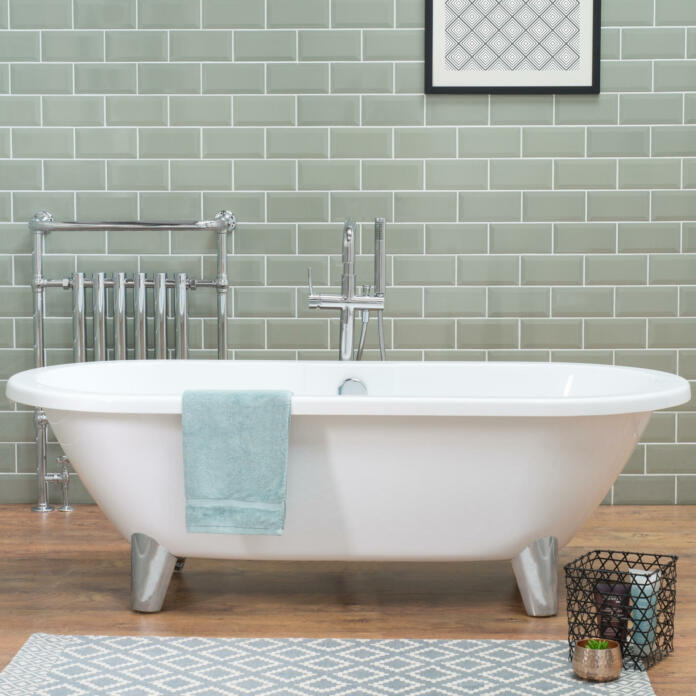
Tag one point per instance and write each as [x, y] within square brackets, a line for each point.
[55, 665]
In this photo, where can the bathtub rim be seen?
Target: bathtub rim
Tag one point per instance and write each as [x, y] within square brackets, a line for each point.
[25, 388]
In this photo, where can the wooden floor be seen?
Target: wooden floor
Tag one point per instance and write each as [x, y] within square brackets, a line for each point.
[70, 574]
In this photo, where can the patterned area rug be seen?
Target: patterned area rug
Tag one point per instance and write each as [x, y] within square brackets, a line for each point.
[52, 665]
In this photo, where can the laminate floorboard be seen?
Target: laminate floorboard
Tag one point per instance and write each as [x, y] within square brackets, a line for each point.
[70, 574]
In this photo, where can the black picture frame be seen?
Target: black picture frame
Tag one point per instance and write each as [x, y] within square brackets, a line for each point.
[594, 88]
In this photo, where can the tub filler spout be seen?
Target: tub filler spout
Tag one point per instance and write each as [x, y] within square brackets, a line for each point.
[350, 301]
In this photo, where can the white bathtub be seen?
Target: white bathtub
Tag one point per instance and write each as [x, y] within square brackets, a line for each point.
[457, 461]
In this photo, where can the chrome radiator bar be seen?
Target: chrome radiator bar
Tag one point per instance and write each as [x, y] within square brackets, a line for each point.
[181, 308]
[160, 316]
[79, 344]
[140, 315]
[120, 349]
[43, 223]
[99, 315]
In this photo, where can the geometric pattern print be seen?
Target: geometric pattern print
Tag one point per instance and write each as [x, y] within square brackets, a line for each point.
[50, 665]
[512, 34]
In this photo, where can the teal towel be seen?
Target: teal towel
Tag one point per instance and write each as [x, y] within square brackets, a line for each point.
[235, 460]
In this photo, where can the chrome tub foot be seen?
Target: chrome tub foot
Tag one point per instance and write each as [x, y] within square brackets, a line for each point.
[537, 579]
[180, 563]
[151, 570]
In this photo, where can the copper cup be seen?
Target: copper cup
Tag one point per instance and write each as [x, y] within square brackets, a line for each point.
[597, 665]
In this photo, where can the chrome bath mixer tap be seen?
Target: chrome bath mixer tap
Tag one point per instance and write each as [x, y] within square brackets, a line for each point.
[370, 299]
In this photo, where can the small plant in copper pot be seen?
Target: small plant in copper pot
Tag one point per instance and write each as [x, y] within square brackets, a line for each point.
[597, 659]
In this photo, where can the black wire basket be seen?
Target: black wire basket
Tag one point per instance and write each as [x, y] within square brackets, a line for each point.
[626, 597]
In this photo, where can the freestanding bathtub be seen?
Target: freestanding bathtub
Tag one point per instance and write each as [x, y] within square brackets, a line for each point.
[460, 461]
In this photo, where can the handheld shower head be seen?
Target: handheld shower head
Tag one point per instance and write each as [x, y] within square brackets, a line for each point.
[380, 257]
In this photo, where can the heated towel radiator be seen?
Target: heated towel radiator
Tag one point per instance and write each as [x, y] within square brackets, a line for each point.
[159, 284]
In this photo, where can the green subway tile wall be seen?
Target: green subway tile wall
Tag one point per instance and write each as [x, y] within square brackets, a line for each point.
[521, 227]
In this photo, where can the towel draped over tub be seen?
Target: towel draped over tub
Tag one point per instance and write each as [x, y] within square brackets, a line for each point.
[235, 446]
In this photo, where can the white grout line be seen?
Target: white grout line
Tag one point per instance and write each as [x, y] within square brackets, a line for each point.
[329, 196]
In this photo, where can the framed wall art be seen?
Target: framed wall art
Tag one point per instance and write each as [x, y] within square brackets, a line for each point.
[512, 46]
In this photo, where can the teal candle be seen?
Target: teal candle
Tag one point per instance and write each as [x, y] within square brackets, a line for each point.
[645, 586]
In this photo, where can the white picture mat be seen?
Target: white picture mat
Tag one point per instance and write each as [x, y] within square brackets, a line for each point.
[446, 77]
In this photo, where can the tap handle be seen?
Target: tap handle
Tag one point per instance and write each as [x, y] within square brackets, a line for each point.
[309, 280]
[348, 249]
[64, 482]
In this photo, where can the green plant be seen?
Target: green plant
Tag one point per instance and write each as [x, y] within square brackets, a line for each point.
[597, 644]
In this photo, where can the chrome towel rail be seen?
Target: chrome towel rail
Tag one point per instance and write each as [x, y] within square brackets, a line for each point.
[163, 288]
[43, 222]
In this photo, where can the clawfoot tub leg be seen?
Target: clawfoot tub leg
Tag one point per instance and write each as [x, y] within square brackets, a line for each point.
[151, 570]
[180, 562]
[535, 571]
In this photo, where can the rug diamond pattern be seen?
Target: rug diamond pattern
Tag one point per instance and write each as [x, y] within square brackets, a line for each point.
[50, 665]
